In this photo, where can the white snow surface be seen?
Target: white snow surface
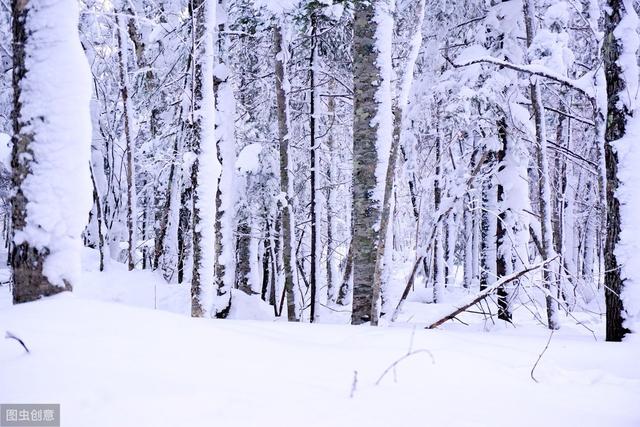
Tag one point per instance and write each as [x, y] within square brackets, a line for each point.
[109, 364]
[116, 363]
[58, 190]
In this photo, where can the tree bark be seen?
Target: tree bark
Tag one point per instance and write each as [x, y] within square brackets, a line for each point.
[618, 112]
[285, 184]
[224, 258]
[51, 116]
[503, 255]
[129, 150]
[366, 210]
[313, 280]
[544, 198]
[204, 170]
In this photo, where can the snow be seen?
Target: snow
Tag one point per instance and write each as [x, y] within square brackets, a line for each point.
[5, 151]
[208, 165]
[109, 364]
[225, 115]
[248, 160]
[627, 33]
[415, 44]
[384, 117]
[58, 190]
[276, 7]
[628, 172]
[148, 289]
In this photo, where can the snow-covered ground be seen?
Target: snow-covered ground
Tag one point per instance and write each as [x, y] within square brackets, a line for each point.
[125, 363]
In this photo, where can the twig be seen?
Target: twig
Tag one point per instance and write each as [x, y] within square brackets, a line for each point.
[9, 335]
[540, 357]
[394, 364]
[354, 384]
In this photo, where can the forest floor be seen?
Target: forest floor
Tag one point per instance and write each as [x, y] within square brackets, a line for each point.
[110, 359]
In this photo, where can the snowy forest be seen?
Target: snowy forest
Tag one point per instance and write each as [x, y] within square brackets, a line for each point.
[461, 174]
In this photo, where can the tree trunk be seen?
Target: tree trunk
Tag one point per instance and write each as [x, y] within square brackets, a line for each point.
[243, 253]
[488, 227]
[163, 211]
[368, 153]
[98, 203]
[129, 150]
[343, 292]
[438, 246]
[619, 112]
[503, 254]
[205, 170]
[224, 258]
[285, 184]
[330, 198]
[51, 121]
[544, 197]
[314, 261]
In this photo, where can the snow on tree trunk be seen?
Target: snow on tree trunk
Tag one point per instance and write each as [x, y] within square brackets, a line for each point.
[205, 168]
[468, 241]
[622, 274]
[384, 38]
[286, 186]
[330, 198]
[439, 274]
[314, 163]
[488, 227]
[51, 148]
[503, 252]
[243, 251]
[372, 135]
[127, 113]
[544, 192]
[225, 263]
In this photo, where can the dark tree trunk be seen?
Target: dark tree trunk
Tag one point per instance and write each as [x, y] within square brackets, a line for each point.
[502, 256]
[312, 165]
[488, 227]
[98, 203]
[184, 219]
[616, 127]
[243, 255]
[343, 292]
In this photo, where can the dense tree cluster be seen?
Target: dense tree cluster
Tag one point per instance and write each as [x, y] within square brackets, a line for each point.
[331, 155]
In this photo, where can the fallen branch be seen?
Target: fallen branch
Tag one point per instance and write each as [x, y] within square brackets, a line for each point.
[407, 289]
[488, 291]
[9, 335]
